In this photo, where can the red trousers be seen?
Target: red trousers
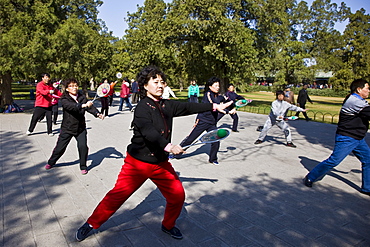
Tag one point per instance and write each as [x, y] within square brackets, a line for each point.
[133, 174]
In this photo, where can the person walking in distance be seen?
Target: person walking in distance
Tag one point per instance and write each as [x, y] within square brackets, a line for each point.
[135, 91]
[124, 95]
[302, 99]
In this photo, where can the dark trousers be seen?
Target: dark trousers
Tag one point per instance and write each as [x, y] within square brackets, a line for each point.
[104, 106]
[127, 101]
[62, 143]
[135, 98]
[54, 110]
[198, 129]
[235, 118]
[193, 99]
[37, 113]
[303, 106]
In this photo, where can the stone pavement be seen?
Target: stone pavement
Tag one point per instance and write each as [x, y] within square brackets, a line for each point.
[255, 197]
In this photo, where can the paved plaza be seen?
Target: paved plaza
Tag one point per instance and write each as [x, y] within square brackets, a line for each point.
[255, 197]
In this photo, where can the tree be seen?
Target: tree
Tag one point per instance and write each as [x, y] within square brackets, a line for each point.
[321, 39]
[27, 28]
[79, 51]
[356, 52]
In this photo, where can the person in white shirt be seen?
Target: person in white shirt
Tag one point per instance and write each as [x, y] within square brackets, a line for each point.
[167, 92]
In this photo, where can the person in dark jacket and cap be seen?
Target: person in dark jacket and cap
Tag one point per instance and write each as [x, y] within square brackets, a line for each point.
[74, 105]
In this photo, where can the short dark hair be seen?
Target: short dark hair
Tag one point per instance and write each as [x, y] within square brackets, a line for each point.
[279, 92]
[69, 81]
[210, 82]
[359, 83]
[230, 85]
[45, 74]
[144, 76]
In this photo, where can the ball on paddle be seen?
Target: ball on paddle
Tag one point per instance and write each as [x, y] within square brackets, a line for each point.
[221, 133]
[244, 101]
[104, 91]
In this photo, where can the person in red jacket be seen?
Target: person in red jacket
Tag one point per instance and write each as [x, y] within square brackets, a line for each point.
[43, 105]
[125, 94]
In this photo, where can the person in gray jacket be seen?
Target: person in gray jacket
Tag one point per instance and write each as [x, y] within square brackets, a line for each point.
[276, 117]
[352, 128]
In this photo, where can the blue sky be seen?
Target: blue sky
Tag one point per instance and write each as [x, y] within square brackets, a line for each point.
[114, 12]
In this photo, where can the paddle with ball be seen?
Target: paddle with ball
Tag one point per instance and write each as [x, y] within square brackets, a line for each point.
[242, 102]
[102, 91]
[210, 137]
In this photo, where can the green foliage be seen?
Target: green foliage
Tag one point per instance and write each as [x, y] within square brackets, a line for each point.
[238, 41]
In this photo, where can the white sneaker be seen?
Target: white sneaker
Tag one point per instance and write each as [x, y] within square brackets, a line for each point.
[51, 134]
[28, 133]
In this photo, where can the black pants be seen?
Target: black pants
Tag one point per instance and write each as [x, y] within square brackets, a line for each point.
[235, 118]
[54, 110]
[135, 98]
[303, 106]
[104, 106]
[37, 113]
[198, 129]
[193, 99]
[62, 143]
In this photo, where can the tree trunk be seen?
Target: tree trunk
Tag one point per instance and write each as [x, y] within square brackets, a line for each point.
[6, 96]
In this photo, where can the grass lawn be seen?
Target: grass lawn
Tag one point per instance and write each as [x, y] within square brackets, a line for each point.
[323, 109]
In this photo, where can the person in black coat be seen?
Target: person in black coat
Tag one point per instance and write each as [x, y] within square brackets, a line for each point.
[302, 99]
[147, 154]
[74, 104]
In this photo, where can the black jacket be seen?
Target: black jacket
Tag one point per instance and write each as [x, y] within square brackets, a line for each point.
[153, 127]
[211, 116]
[74, 115]
[303, 97]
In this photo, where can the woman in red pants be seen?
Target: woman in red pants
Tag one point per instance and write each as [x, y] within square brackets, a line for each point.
[147, 155]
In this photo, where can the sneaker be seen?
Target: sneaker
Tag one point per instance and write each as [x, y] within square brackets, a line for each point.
[84, 172]
[174, 232]
[258, 142]
[214, 163]
[307, 182]
[28, 133]
[290, 144]
[259, 128]
[48, 167]
[365, 193]
[51, 134]
[235, 131]
[83, 231]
